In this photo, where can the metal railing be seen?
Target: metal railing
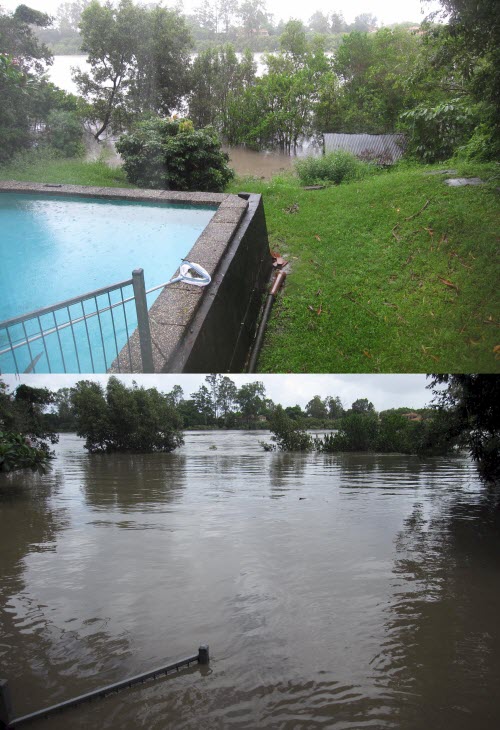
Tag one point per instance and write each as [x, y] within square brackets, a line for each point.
[89, 333]
[81, 335]
[7, 719]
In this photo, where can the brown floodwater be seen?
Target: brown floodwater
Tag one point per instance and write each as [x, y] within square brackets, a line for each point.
[345, 592]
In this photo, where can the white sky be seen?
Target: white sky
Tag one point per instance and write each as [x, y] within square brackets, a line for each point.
[384, 391]
[386, 11]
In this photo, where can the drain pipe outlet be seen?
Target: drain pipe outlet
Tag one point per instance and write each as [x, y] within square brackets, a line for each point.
[280, 278]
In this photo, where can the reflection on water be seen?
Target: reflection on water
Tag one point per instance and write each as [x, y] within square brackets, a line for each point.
[335, 591]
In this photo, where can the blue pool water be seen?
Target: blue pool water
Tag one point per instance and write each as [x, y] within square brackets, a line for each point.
[58, 248]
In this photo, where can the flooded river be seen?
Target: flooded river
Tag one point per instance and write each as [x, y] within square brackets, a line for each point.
[346, 592]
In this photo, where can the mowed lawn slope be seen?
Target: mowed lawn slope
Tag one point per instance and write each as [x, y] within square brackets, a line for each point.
[394, 273]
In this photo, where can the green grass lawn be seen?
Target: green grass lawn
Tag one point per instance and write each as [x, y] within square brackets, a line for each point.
[394, 273]
[67, 171]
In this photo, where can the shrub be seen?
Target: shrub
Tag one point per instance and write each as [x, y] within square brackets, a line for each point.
[287, 434]
[170, 154]
[335, 167]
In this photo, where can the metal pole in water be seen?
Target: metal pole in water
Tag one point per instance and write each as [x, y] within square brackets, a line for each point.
[5, 704]
[141, 305]
[203, 655]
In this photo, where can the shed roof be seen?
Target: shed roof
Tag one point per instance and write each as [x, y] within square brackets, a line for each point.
[383, 148]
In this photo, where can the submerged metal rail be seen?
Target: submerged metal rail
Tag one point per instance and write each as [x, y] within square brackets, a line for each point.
[7, 720]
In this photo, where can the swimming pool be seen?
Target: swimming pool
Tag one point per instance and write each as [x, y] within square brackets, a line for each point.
[56, 248]
[61, 241]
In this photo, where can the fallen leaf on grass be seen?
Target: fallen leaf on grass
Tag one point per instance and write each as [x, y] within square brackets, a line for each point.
[366, 353]
[319, 310]
[311, 309]
[318, 293]
[496, 349]
[429, 231]
[446, 282]
[294, 208]
[317, 238]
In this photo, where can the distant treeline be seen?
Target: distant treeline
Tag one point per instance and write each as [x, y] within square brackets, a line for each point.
[246, 24]
[465, 414]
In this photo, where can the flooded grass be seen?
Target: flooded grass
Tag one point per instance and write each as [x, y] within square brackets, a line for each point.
[394, 273]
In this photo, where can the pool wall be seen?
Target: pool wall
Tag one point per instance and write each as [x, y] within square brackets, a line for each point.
[198, 329]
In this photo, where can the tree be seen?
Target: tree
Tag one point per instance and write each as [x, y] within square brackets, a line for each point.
[374, 71]
[250, 398]
[253, 16]
[364, 23]
[469, 407]
[203, 403]
[226, 396]
[362, 405]
[319, 23]
[337, 22]
[469, 44]
[216, 75]
[18, 39]
[139, 59]
[277, 109]
[125, 419]
[334, 406]
[316, 408]
[170, 154]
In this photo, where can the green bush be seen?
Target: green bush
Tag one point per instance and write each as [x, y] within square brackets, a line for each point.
[170, 154]
[65, 132]
[335, 167]
[435, 133]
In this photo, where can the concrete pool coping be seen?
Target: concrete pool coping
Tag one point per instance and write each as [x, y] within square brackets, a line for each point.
[190, 330]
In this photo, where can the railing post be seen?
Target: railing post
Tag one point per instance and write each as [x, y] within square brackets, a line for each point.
[141, 305]
[5, 704]
[203, 656]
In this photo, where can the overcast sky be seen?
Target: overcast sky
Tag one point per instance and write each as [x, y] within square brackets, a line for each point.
[387, 11]
[384, 391]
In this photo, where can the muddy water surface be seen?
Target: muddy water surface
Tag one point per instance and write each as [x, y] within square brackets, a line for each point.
[357, 591]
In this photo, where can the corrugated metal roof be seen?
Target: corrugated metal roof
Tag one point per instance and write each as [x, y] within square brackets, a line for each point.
[383, 148]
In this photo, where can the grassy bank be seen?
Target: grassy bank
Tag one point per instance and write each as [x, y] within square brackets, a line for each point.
[47, 169]
[395, 273]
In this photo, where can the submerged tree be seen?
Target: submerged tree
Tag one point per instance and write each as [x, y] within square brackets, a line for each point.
[125, 419]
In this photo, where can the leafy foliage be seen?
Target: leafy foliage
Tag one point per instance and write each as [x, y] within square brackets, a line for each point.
[16, 453]
[168, 154]
[436, 132]
[125, 419]
[24, 437]
[469, 407]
